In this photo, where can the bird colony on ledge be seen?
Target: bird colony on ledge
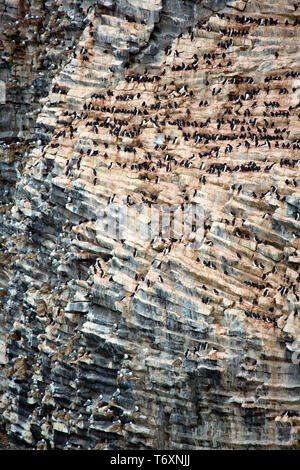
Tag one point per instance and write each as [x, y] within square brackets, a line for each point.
[111, 342]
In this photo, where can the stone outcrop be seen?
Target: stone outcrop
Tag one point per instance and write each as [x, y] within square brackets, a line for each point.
[180, 341]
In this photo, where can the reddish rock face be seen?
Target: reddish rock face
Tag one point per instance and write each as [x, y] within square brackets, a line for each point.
[121, 327]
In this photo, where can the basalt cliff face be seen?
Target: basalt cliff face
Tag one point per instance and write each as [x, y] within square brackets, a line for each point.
[182, 341]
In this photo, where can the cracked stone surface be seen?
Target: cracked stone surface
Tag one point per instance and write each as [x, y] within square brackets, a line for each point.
[133, 343]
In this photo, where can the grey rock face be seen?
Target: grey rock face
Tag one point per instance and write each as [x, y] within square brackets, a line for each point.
[172, 342]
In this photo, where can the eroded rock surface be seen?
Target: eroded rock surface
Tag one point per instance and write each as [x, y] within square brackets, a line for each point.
[109, 343]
